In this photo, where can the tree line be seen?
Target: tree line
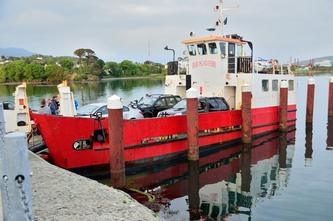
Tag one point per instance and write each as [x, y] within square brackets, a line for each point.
[86, 66]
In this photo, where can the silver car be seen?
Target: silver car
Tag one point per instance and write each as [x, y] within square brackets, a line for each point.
[95, 109]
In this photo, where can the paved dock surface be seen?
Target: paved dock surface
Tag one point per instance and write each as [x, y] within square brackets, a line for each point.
[61, 195]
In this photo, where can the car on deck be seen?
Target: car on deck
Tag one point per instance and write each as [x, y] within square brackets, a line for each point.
[151, 104]
[205, 104]
[100, 109]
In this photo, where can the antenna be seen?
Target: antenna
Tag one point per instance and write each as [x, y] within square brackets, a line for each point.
[222, 20]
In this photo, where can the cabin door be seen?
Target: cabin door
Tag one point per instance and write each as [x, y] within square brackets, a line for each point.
[231, 58]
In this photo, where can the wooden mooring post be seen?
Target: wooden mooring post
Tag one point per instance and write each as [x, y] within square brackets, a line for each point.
[246, 114]
[283, 108]
[310, 100]
[330, 99]
[14, 174]
[117, 161]
[192, 123]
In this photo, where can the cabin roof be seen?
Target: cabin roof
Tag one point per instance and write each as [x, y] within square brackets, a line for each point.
[212, 38]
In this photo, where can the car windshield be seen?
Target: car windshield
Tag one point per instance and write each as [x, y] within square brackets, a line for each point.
[147, 100]
[87, 109]
[180, 105]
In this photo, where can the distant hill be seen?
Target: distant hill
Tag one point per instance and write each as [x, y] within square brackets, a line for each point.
[15, 52]
[314, 60]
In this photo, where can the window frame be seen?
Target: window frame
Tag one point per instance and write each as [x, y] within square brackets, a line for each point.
[277, 85]
[267, 85]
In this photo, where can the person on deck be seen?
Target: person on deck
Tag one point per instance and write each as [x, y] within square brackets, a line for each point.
[54, 105]
[44, 109]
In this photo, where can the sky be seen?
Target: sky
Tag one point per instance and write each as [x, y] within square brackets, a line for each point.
[138, 30]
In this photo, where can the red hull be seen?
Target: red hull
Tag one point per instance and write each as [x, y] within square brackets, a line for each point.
[142, 138]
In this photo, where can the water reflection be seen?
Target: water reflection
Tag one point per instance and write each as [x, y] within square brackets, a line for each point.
[329, 140]
[226, 182]
[308, 144]
[193, 190]
[89, 92]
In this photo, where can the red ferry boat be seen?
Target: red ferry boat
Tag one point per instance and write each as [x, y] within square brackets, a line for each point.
[217, 66]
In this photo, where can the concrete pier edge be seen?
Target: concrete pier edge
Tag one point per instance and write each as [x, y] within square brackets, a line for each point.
[58, 194]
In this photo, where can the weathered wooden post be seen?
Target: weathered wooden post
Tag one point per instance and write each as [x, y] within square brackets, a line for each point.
[192, 123]
[117, 161]
[330, 98]
[246, 114]
[15, 177]
[283, 108]
[310, 100]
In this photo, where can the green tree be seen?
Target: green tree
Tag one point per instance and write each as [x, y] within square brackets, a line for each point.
[80, 53]
[54, 73]
[2, 75]
[34, 71]
[113, 69]
[128, 68]
[66, 63]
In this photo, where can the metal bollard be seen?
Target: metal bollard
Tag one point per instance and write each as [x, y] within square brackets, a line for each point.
[310, 100]
[192, 123]
[117, 161]
[246, 114]
[15, 178]
[283, 109]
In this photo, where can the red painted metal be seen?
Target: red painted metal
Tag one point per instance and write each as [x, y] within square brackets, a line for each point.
[283, 110]
[309, 104]
[117, 161]
[142, 138]
[330, 100]
[246, 117]
[192, 128]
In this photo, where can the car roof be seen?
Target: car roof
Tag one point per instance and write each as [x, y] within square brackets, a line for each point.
[161, 95]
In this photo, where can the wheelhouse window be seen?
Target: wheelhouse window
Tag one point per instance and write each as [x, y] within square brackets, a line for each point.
[191, 50]
[222, 48]
[291, 85]
[212, 48]
[275, 85]
[202, 49]
[265, 85]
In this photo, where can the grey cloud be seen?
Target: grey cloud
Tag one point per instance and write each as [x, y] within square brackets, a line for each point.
[120, 29]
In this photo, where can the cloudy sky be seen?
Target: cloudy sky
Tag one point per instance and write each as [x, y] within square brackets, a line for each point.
[123, 29]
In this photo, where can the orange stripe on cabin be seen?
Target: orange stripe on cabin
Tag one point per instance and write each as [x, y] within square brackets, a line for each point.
[212, 38]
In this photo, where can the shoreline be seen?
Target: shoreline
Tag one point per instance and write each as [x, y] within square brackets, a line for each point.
[45, 83]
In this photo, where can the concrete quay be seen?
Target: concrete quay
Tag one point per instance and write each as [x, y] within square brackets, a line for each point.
[61, 195]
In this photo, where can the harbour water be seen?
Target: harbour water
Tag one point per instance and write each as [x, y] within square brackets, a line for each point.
[281, 177]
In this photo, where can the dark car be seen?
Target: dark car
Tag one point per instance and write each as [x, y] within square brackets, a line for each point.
[206, 104]
[151, 104]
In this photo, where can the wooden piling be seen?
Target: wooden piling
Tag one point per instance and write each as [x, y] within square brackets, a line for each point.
[117, 161]
[330, 99]
[246, 114]
[192, 123]
[283, 108]
[310, 100]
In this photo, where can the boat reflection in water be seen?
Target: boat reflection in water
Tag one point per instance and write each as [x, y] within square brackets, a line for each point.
[227, 182]
[329, 134]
